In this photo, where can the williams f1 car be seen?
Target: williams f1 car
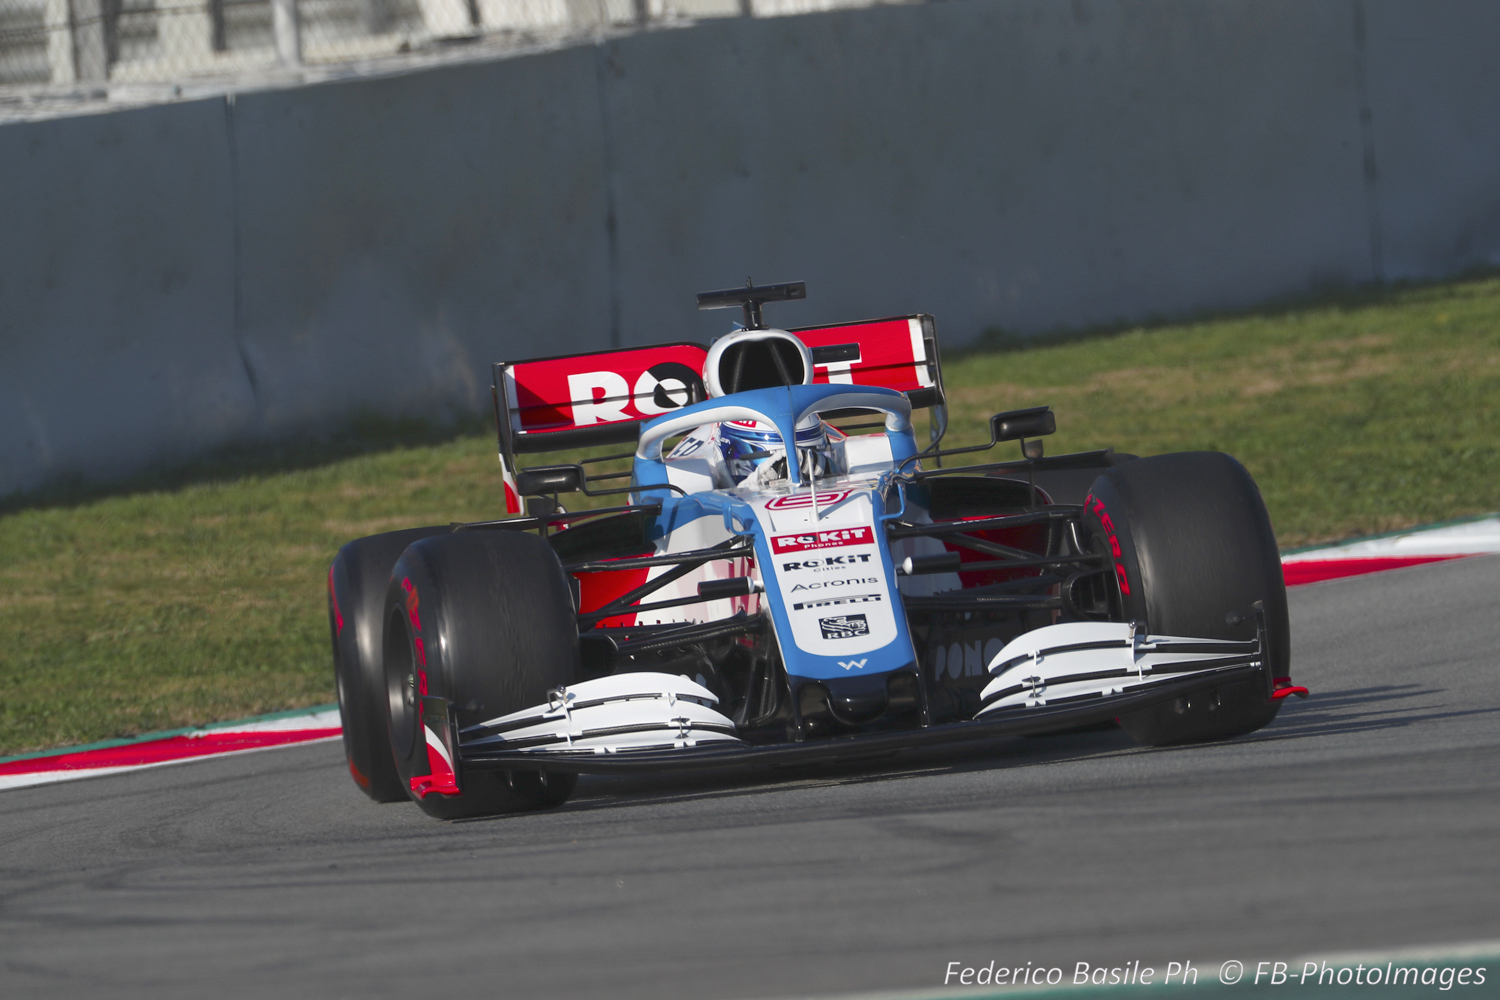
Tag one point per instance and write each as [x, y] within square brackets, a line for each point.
[790, 576]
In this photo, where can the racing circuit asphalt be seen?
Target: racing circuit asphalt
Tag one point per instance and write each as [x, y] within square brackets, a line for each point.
[1366, 818]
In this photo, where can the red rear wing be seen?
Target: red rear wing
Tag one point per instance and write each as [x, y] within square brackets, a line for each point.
[581, 400]
[591, 399]
[898, 353]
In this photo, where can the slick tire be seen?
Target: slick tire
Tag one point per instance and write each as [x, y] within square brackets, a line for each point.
[486, 621]
[357, 583]
[1191, 542]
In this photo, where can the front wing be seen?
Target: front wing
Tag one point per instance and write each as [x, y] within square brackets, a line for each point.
[1000, 723]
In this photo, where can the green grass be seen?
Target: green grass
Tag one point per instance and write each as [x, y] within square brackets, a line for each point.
[199, 595]
[1354, 418]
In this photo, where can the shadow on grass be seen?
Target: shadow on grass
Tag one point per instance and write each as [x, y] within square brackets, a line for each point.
[997, 340]
[364, 434]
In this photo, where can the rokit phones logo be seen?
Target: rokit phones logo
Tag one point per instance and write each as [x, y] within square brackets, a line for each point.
[830, 584]
[835, 538]
[828, 562]
[844, 626]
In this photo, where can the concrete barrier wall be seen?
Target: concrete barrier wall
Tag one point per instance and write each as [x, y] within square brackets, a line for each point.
[1434, 91]
[181, 277]
[117, 343]
[1024, 165]
[398, 235]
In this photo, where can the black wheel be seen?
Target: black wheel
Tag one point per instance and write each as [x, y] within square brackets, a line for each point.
[1191, 542]
[357, 583]
[486, 621]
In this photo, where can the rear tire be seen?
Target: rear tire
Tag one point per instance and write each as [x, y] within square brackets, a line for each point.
[1191, 542]
[485, 620]
[357, 583]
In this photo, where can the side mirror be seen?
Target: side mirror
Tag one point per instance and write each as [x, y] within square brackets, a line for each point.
[1029, 423]
[548, 479]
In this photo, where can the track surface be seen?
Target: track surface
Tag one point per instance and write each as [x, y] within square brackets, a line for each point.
[1363, 819]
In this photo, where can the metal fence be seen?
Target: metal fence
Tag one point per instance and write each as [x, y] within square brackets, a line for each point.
[67, 42]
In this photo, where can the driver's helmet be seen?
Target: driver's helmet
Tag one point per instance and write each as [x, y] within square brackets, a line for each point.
[748, 445]
[745, 360]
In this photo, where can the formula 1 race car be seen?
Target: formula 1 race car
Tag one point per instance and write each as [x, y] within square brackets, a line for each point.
[794, 580]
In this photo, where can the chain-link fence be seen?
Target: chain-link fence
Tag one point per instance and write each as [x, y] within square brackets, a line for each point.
[147, 41]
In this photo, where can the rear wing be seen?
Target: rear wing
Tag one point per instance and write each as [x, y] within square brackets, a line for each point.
[600, 398]
[898, 353]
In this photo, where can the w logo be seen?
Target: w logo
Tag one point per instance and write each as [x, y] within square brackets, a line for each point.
[852, 664]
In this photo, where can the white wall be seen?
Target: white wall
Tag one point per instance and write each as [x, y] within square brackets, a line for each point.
[180, 277]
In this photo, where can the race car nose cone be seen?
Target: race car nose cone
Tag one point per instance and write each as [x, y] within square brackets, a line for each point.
[856, 699]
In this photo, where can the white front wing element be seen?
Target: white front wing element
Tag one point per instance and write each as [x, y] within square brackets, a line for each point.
[634, 711]
[1081, 660]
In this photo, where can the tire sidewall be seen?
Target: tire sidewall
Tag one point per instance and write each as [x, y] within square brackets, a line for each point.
[1189, 540]
[357, 586]
[485, 622]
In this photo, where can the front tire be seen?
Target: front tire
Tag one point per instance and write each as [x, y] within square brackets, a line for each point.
[486, 621]
[1191, 541]
[357, 583]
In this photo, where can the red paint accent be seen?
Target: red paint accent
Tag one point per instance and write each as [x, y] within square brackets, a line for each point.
[1317, 570]
[886, 353]
[421, 652]
[338, 617]
[1096, 505]
[360, 778]
[836, 538]
[545, 402]
[422, 683]
[440, 778]
[162, 751]
[1283, 686]
[1031, 538]
[598, 589]
[411, 606]
[804, 501]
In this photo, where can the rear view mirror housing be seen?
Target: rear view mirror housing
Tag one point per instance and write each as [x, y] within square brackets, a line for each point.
[545, 480]
[1011, 425]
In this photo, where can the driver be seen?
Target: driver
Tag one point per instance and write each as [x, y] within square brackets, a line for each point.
[751, 453]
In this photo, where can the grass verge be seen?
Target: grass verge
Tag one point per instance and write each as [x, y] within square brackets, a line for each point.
[200, 595]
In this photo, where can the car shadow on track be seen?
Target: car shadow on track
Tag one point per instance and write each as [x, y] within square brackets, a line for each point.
[1326, 714]
[1334, 713]
[1358, 710]
[599, 792]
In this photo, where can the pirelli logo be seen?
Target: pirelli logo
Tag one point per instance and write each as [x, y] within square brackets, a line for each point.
[834, 538]
[833, 601]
